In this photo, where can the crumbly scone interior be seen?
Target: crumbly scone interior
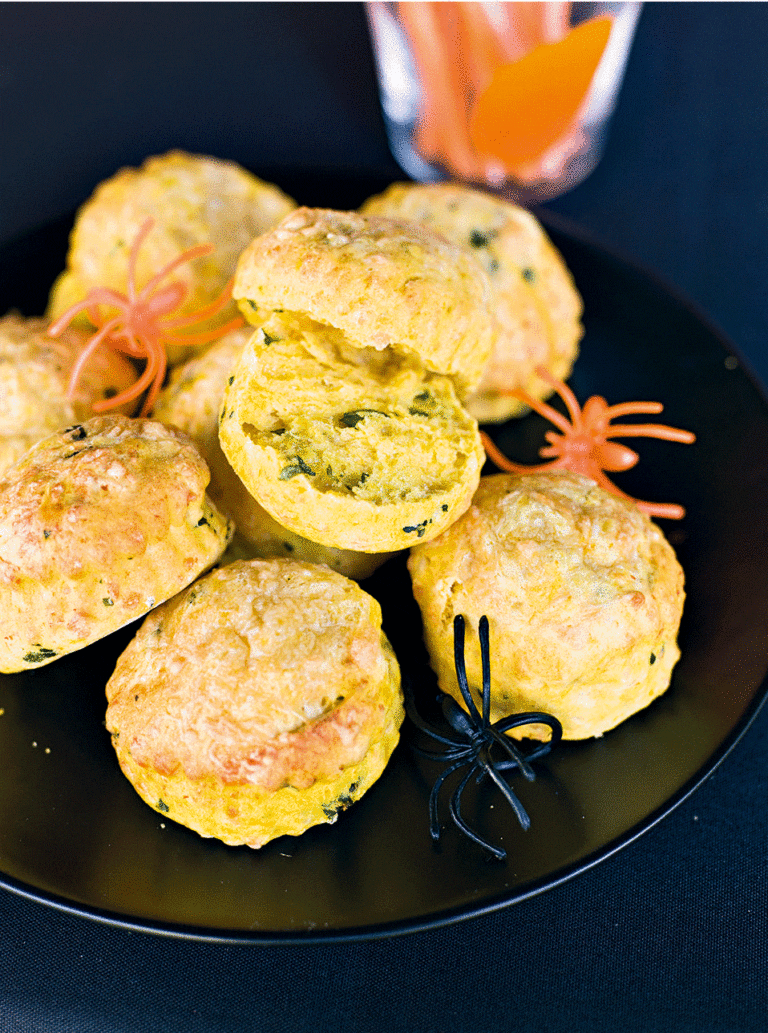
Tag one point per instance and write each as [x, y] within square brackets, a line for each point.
[191, 401]
[370, 424]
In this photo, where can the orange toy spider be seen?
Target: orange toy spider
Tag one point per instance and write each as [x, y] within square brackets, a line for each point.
[583, 447]
[141, 328]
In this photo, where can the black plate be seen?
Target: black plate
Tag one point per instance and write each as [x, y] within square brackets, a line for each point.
[74, 834]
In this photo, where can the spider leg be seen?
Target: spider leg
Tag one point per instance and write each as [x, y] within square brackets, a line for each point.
[650, 430]
[98, 296]
[86, 353]
[204, 313]
[461, 670]
[654, 509]
[631, 408]
[444, 756]
[497, 456]
[490, 769]
[133, 255]
[515, 755]
[434, 819]
[185, 256]
[571, 403]
[533, 718]
[483, 633]
[455, 808]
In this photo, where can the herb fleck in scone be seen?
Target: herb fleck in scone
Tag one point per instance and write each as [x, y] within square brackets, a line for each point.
[99, 523]
[262, 700]
[582, 591]
[343, 416]
[534, 300]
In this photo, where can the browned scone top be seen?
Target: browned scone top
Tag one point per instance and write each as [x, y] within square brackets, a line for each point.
[262, 700]
[99, 523]
[533, 297]
[193, 199]
[582, 591]
[385, 283]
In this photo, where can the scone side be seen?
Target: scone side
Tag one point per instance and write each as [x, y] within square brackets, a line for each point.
[61, 583]
[601, 648]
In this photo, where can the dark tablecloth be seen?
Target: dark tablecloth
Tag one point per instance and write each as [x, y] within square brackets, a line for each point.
[670, 933]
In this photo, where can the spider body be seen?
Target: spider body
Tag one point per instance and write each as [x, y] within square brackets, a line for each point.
[478, 742]
[583, 446]
[144, 325]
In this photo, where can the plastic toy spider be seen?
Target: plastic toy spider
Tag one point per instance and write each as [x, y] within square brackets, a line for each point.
[141, 328]
[477, 739]
[583, 447]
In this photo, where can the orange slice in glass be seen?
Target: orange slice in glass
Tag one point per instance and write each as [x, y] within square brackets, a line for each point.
[531, 103]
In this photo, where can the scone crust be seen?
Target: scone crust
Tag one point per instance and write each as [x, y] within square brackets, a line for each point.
[582, 591]
[98, 524]
[385, 283]
[355, 455]
[532, 293]
[191, 401]
[34, 377]
[260, 701]
[194, 199]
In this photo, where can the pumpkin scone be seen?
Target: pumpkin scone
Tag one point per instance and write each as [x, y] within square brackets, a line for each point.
[343, 416]
[99, 523]
[191, 400]
[582, 591]
[34, 379]
[193, 200]
[262, 700]
[532, 293]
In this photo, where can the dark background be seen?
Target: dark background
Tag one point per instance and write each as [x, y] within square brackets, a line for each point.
[671, 933]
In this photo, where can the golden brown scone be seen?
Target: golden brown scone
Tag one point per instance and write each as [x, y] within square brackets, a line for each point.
[191, 401]
[99, 523]
[34, 375]
[582, 591]
[533, 296]
[262, 700]
[384, 283]
[194, 199]
[353, 448]
[343, 417]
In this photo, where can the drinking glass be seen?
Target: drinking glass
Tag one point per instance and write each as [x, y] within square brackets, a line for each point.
[516, 97]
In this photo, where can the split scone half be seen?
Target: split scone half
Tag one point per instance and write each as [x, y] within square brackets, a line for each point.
[99, 523]
[34, 379]
[534, 299]
[344, 415]
[191, 401]
[193, 199]
[262, 700]
[583, 595]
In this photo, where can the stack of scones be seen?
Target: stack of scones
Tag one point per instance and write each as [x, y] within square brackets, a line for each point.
[288, 460]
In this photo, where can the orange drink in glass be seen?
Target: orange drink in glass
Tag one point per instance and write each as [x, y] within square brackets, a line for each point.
[512, 96]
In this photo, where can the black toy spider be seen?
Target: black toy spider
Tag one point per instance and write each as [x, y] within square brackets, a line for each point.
[478, 739]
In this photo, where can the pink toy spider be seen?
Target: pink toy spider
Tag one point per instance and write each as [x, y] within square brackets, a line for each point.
[583, 447]
[141, 328]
